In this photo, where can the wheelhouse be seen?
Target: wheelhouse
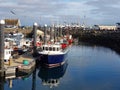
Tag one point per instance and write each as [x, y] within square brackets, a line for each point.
[51, 48]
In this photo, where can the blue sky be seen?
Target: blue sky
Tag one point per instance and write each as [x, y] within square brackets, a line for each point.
[90, 12]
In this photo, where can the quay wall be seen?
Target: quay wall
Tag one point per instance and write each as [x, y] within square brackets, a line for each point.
[109, 39]
[24, 31]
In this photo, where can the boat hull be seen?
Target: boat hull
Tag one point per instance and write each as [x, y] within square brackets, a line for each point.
[52, 73]
[53, 60]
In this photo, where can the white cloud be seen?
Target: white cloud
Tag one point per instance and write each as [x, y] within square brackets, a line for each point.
[96, 10]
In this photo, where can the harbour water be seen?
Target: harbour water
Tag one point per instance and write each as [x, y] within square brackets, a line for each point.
[88, 68]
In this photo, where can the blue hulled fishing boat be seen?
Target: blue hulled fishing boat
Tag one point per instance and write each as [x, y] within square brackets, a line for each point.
[53, 54]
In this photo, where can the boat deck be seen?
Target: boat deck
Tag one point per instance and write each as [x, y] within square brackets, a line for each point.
[15, 64]
[18, 61]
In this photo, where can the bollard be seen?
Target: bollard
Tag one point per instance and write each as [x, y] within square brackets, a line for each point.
[10, 61]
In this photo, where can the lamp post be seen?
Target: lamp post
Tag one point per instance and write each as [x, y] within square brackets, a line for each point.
[34, 37]
[2, 23]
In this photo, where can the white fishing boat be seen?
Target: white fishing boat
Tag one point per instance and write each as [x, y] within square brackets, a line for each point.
[18, 42]
[7, 51]
[7, 54]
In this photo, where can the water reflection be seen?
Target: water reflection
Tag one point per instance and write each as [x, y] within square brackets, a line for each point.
[2, 81]
[10, 80]
[34, 80]
[51, 76]
[21, 76]
[89, 69]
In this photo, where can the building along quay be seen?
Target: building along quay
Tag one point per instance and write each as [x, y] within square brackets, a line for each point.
[107, 38]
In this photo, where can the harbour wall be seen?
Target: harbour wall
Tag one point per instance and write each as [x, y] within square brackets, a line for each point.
[105, 38]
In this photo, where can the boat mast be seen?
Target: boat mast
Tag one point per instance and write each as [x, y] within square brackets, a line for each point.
[50, 33]
[54, 33]
[45, 33]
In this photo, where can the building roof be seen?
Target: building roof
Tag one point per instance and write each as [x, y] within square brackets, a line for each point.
[39, 32]
[108, 27]
[15, 22]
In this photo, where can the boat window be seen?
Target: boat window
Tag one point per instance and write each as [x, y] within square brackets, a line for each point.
[57, 49]
[53, 48]
[7, 52]
[27, 42]
[46, 48]
[50, 48]
[43, 48]
[40, 49]
[53, 82]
